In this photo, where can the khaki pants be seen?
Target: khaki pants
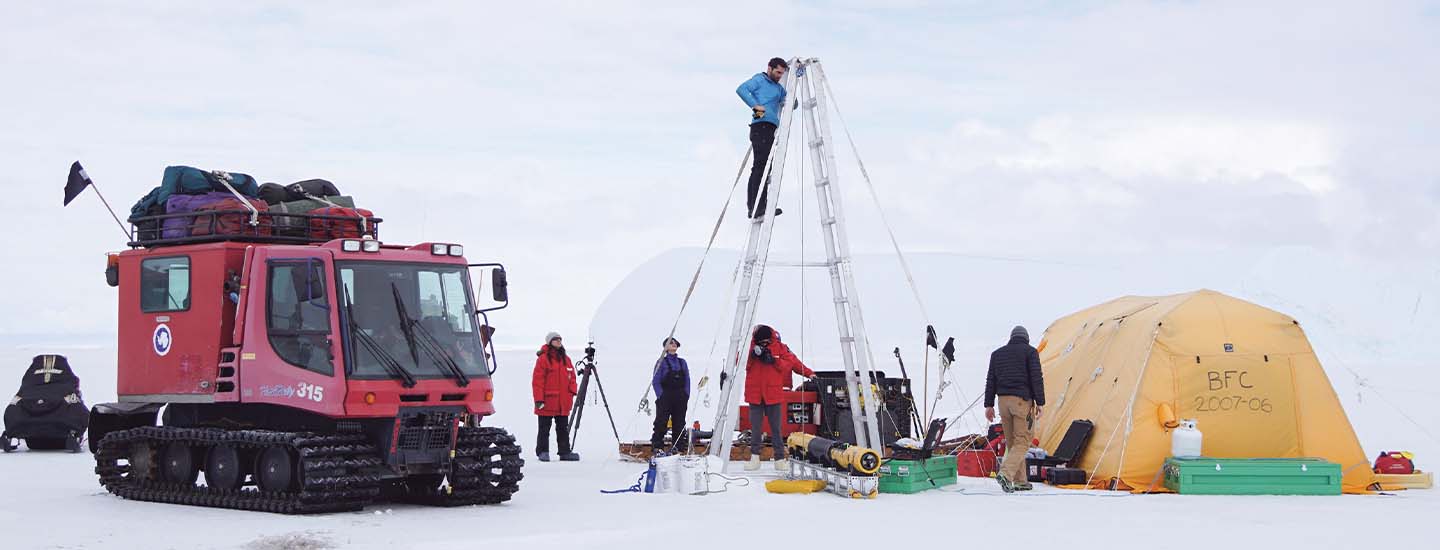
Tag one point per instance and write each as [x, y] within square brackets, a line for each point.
[1016, 419]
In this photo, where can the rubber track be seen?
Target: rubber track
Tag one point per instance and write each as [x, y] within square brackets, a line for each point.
[327, 464]
[485, 470]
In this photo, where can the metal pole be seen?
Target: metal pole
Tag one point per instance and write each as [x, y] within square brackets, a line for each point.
[123, 229]
[926, 400]
[577, 411]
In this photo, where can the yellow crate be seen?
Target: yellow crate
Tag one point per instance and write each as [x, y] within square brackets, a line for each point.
[1397, 482]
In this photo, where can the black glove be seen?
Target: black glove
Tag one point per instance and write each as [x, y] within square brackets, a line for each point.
[539, 404]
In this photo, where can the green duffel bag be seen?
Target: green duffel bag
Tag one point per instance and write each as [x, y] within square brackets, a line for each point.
[299, 226]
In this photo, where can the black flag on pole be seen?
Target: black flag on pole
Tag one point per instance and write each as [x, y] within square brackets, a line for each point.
[78, 181]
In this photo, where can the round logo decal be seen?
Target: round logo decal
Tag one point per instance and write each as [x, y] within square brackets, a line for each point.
[161, 340]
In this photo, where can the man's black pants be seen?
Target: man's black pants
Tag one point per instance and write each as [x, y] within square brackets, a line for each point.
[670, 411]
[762, 138]
[562, 434]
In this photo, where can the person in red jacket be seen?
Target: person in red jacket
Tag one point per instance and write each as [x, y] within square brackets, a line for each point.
[767, 375]
[555, 389]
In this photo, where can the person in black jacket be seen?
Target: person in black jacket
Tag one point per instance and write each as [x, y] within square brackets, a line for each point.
[1015, 377]
[671, 381]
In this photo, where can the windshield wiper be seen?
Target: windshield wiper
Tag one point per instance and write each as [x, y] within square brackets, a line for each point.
[426, 341]
[405, 323]
[368, 342]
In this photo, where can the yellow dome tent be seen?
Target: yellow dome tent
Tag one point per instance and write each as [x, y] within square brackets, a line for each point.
[1247, 374]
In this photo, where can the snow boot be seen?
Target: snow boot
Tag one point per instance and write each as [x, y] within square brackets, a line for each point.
[754, 463]
[781, 465]
[544, 457]
[1024, 486]
[761, 215]
[1005, 483]
[570, 457]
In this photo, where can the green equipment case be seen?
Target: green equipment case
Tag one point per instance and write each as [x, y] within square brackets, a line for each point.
[1252, 476]
[913, 476]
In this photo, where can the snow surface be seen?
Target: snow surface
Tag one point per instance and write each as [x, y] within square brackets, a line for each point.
[1370, 334]
[53, 501]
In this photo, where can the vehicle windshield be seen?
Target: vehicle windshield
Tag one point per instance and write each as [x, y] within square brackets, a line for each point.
[434, 295]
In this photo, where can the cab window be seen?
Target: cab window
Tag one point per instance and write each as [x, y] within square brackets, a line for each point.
[298, 314]
[165, 284]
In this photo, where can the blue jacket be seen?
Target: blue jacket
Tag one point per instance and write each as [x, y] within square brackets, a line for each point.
[664, 368]
[760, 90]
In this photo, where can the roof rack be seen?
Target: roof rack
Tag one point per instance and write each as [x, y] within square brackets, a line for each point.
[246, 226]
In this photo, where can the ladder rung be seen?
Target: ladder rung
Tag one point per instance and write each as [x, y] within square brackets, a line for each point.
[847, 339]
[822, 182]
[811, 103]
[828, 221]
[817, 143]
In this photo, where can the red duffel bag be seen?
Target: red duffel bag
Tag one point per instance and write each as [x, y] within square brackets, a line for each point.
[235, 220]
[355, 222]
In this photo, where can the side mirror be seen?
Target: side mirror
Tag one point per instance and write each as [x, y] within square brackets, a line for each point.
[499, 296]
[499, 289]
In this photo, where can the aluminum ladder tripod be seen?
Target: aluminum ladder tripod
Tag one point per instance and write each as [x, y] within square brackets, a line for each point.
[807, 81]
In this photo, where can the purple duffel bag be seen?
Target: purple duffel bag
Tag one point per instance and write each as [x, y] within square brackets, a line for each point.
[179, 226]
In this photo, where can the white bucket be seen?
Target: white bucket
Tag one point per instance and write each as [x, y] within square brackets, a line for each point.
[667, 474]
[693, 474]
[686, 475]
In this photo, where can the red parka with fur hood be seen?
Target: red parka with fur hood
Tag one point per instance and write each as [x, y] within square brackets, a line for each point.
[768, 374]
[554, 381]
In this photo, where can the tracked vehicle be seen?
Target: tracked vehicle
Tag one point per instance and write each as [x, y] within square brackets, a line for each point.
[297, 364]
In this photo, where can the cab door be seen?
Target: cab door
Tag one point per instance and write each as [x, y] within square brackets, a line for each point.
[292, 355]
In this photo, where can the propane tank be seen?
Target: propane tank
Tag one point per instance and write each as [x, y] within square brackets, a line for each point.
[1185, 441]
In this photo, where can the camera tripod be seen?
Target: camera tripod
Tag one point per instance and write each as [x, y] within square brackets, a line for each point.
[577, 412]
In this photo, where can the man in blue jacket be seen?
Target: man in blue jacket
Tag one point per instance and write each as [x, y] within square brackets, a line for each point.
[764, 95]
[672, 395]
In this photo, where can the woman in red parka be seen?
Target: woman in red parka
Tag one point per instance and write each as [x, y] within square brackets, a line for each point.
[767, 376]
[554, 387]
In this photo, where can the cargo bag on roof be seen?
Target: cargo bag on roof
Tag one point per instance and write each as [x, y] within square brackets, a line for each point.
[229, 216]
[185, 180]
[311, 188]
[178, 226]
[340, 223]
[273, 193]
[299, 226]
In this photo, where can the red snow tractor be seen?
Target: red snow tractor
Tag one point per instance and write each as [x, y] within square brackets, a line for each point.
[301, 371]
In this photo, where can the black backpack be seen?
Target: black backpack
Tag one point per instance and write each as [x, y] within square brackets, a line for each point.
[274, 193]
[311, 188]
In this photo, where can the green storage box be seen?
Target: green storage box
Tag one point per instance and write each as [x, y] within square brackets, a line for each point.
[910, 476]
[1252, 476]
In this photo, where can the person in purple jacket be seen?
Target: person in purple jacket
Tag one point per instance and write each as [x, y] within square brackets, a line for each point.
[672, 395]
[764, 95]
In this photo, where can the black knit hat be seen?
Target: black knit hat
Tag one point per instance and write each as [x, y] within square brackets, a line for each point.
[670, 339]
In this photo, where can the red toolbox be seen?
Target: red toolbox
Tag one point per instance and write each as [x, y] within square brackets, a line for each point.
[801, 411]
[976, 463]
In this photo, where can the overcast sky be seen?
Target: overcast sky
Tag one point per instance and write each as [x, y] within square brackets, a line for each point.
[575, 140]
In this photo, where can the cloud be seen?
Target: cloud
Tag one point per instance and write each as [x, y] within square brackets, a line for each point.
[573, 141]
